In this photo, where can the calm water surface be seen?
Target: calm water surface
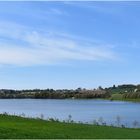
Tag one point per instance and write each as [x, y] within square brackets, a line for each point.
[80, 110]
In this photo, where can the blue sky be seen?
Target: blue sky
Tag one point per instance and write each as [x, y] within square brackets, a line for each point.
[69, 44]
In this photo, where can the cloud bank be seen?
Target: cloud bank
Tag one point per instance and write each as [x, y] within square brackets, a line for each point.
[24, 46]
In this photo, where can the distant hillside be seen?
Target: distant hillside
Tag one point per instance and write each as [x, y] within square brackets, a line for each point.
[120, 92]
[128, 91]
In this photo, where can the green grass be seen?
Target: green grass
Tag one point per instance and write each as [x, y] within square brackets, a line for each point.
[119, 97]
[116, 96]
[16, 127]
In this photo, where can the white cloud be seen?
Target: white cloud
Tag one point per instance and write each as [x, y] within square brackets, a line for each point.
[57, 11]
[101, 7]
[23, 46]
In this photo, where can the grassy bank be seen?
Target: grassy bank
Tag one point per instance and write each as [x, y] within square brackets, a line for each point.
[17, 127]
[119, 97]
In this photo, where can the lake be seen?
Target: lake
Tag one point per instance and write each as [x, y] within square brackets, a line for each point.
[81, 110]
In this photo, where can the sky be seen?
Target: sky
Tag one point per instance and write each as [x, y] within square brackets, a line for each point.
[67, 44]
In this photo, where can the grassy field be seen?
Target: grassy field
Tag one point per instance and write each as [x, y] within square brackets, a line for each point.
[116, 97]
[119, 97]
[17, 127]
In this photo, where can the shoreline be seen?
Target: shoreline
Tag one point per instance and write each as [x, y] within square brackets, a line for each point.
[108, 99]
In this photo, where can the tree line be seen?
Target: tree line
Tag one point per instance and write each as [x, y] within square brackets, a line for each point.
[53, 94]
[128, 91]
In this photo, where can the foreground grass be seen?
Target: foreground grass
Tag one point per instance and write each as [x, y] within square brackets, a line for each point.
[18, 127]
